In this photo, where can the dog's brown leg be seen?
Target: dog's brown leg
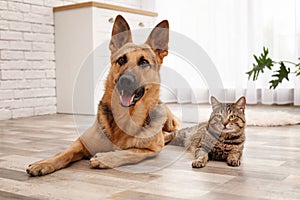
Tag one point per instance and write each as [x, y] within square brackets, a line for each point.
[119, 158]
[171, 125]
[169, 136]
[75, 152]
[129, 156]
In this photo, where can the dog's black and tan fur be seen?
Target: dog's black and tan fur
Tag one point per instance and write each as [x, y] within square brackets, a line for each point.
[130, 113]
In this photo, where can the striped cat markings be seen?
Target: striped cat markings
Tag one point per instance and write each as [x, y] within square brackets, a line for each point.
[221, 138]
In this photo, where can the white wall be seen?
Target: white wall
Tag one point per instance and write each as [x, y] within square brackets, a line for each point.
[27, 66]
[231, 32]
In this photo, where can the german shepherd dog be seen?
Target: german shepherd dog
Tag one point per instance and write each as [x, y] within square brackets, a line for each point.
[131, 124]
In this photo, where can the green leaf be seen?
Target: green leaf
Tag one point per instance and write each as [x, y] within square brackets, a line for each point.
[298, 64]
[280, 75]
[298, 71]
[262, 62]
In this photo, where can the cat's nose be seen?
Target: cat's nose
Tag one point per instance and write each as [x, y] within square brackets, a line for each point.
[225, 123]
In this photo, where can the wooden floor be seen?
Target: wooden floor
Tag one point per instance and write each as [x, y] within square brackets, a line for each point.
[270, 167]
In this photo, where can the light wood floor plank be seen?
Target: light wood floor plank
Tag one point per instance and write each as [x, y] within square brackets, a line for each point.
[269, 169]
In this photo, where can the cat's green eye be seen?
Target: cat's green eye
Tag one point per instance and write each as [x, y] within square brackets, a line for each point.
[232, 117]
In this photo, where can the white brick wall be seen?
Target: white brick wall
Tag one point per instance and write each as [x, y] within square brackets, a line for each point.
[27, 65]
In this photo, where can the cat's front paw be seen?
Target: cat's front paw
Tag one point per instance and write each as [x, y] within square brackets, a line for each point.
[198, 164]
[233, 161]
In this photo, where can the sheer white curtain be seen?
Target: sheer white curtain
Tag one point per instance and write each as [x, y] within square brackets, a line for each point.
[231, 32]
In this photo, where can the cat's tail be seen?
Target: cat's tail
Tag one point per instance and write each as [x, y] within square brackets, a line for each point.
[182, 135]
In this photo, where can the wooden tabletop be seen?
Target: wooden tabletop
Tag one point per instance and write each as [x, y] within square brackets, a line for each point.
[105, 6]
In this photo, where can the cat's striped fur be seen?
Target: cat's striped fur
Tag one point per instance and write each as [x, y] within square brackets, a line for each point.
[221, 138]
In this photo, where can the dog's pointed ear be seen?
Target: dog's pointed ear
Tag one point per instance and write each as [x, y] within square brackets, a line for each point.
[159, 39]
[121, 34]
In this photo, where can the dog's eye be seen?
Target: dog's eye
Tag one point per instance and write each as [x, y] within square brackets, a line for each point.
[143, 62]
[122, 60]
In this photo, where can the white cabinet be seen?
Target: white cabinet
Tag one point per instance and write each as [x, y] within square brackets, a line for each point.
[82, 34]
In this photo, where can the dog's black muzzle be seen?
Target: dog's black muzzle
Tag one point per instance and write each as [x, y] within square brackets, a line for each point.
[129, 90]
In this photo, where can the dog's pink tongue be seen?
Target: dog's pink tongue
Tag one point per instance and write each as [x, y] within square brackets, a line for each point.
[126, 100]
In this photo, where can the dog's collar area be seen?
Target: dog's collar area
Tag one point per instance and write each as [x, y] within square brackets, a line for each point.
[129, 100]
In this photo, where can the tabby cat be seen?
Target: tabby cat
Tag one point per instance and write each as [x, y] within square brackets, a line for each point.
[221, 138]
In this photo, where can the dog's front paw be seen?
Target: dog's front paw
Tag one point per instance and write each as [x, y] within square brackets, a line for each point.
[100, 161]
[172, 124]
[40, 169]
[97, 164]
[168, 137]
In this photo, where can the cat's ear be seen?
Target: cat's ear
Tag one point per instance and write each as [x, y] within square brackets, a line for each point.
[214, 102]
[121, 34]
[158, 39]
[241, 103]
